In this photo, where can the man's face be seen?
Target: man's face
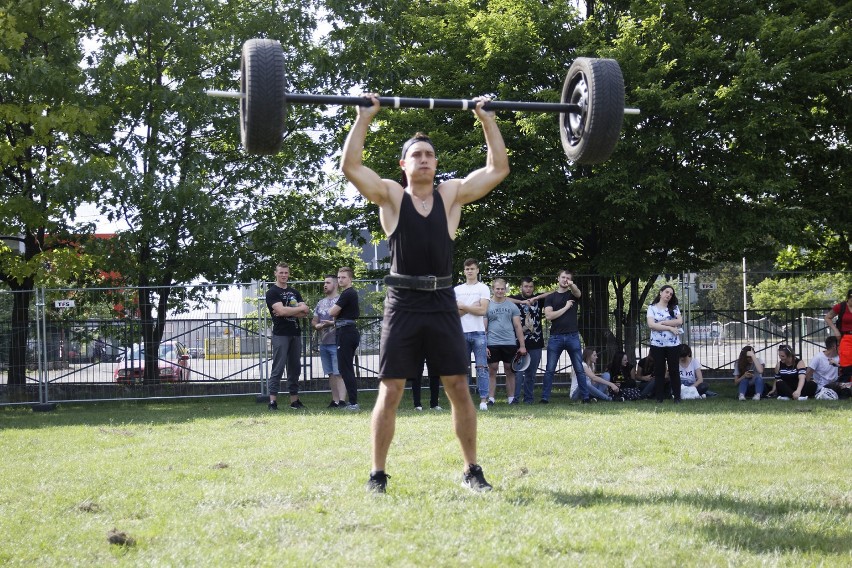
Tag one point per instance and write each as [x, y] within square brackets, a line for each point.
[527, 289]
[471, 272]
[343, 279]
[329, 286]
[282, 275]
[565, 279]
[500, 291]
[420, 161]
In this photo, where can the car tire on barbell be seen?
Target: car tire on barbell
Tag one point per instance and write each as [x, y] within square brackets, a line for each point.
[597, 85]
[263, 106]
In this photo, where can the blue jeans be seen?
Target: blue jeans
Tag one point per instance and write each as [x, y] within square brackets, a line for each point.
[593, 391]
[757, 381]
[477, 343]
[328, 356]
[569, 342]
[526, 379]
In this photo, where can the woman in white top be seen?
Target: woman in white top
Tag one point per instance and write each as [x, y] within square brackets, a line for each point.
[664, 321]
[690, 370]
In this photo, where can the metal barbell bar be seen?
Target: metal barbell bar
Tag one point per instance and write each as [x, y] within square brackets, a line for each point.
[591, 109]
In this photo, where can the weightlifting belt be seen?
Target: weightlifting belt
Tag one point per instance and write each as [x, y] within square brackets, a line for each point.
[427, 283]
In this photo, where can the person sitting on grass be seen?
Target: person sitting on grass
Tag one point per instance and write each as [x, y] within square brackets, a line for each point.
[690, 371]
[748, 374]
[645, 375]
[590, 359]
[790, 374]
[623, 374]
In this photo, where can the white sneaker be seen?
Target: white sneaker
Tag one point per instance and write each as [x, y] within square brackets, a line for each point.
[742, 396]
[418, 408]
[437, 408]
[353, 407]
[756, 397]
[483, 406]
[783, 398]
[803, 398]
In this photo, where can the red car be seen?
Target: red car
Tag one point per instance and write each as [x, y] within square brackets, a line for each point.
[173, 359]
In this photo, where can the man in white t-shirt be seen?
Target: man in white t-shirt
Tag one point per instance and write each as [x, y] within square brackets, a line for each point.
[822, 368]
[472, 298]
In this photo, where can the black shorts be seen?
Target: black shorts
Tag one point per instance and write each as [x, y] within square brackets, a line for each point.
[503, 353]
[409, 338]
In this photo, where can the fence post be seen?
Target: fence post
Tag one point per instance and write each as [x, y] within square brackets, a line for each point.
[43, 404]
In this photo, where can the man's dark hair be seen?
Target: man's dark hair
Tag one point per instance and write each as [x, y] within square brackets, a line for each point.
[469, 261]
[330, 276]
[831, 342]
[527, 280]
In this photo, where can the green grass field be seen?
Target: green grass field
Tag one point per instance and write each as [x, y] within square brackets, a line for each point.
[224, 482]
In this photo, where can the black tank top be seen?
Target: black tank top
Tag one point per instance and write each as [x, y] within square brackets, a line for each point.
[421, 246]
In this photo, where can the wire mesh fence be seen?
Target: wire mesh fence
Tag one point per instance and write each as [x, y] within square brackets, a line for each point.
[62, 345]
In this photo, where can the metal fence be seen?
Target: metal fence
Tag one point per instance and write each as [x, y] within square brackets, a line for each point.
[79, 343]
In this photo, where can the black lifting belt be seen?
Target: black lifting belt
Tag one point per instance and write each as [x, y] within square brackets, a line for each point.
[427, 283]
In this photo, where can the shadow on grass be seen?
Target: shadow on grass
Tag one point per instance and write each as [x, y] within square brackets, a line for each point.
[757, 526]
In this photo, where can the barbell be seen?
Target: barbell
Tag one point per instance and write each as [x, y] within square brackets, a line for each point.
[590, 112]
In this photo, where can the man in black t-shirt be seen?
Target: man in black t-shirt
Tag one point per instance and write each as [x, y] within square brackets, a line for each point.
[345, 313]
[560, 309]
[285, 307]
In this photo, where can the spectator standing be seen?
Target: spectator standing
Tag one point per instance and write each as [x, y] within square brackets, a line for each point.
[346, 312]
[842, 314]
[434, 392]
[748, 374]
[505, 339]
[532, 311]
[472, 299]
[323, 323]
[560, 309]
[664, 321]
[285, 306]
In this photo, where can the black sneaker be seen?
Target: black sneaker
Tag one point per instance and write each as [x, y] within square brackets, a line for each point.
[378, 482]
[332, 404]
[273, 405]
[490, 402]
[297, 404]
[475, 480]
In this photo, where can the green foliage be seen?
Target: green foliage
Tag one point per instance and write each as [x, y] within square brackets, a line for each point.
[800, 291]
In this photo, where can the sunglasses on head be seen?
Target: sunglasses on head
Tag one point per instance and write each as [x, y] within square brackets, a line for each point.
[786, 349]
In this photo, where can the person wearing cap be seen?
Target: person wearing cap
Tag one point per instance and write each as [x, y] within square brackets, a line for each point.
[842, 313]
[505, 339]
[421, 320]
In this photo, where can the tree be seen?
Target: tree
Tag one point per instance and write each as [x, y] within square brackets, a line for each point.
[702, 176]
[182, 185]
[48, 152]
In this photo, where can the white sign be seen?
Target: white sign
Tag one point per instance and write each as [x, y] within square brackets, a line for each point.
[64, 304]
[707, 285]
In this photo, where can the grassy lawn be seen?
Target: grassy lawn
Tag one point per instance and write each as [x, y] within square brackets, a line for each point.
[224, 482]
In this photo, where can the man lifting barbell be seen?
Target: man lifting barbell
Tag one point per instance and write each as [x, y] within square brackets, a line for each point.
[421, 319]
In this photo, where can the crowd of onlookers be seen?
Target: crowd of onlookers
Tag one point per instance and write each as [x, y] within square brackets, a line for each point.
[499, 328]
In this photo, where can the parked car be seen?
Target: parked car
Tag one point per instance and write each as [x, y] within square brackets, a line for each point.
[196, 353]
[172, 358]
